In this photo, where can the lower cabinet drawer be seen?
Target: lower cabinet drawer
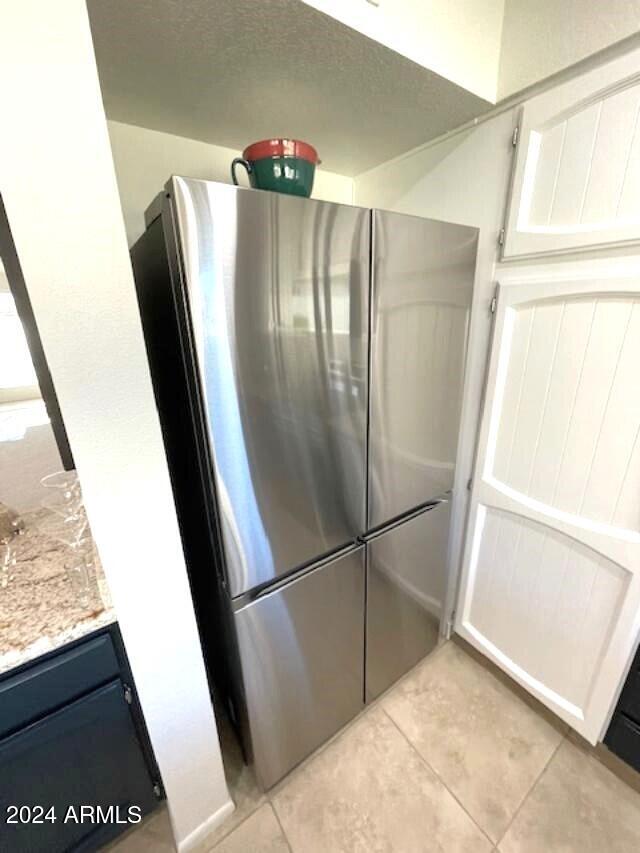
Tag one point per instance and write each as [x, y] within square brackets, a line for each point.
[623, 738]
[86, 754]
[55, 681]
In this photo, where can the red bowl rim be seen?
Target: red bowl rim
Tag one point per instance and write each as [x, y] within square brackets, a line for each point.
[281, 148]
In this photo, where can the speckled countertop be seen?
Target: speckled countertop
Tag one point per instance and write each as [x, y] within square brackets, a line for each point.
[41, 607]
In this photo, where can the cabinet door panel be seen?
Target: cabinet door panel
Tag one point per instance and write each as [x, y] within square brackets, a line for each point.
[551, 573]
[577, 171]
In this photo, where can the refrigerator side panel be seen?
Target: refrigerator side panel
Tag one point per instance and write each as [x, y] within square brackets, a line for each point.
[174, 381]
[302, 653]
[276, 289]
[423, 274]
[406, 586]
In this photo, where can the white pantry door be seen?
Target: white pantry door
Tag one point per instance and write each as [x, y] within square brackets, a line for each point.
[550, 587]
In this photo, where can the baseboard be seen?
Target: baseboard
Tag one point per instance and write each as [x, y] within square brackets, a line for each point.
[196, 840]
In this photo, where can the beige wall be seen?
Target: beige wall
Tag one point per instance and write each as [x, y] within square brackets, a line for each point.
[458, 39]
[59, 187]
[542, 37]
[144, 159]
[493, 48]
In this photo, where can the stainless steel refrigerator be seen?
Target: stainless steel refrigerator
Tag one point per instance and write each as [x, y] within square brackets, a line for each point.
[307, 359]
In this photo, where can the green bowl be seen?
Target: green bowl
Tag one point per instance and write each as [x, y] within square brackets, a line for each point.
[281, 165]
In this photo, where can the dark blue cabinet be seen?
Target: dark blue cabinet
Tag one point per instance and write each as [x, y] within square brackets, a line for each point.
[86, 754]
[55, 681]
[623, 735]
[72, 735]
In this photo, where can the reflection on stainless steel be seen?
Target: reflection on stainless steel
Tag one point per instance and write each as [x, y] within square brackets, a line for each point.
[406, 587]
[423, 282]
[269, 296]
[302, 659]
[278, 295]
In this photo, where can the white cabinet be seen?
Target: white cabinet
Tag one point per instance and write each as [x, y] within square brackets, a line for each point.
[577, 173]
[551, 573]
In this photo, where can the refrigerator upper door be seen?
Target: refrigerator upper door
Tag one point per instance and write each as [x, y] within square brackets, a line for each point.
[302, 654]
[277, 292]
[406, 587]
[422, 287]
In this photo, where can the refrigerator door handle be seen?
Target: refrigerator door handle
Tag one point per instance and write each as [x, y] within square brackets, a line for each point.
[396, 522]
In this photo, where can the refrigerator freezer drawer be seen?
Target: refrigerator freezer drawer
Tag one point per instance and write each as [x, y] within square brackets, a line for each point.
[422, 287]
[302, 657]
[406, 587]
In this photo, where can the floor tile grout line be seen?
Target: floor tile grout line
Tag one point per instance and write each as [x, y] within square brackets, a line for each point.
[504, 679]
[378, 702]
[275, 790]
[369, 706]
[440, 779]
[281, 784]
[226, 834]
[282, 830]
[530, 790]
[140, 829]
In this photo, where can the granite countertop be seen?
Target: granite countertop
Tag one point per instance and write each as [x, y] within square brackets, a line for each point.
[41, 607]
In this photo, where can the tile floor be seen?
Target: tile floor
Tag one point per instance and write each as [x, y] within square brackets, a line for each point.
[451, 760]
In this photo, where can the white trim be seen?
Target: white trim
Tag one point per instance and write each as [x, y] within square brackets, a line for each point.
[19, 394]
[565, 270]
[197, 838]
[531, 684]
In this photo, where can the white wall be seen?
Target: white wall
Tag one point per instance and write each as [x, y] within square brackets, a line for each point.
[542, 37]
[145, 159]
[493, 48]
[461, 179]
[458, 39]
[59, 187]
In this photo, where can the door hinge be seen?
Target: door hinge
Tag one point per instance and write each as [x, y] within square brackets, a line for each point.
[493, 305]
[501, 237]
[157, 790]
[469, 483]
[128, 694]
[448, 630]
[514, 135]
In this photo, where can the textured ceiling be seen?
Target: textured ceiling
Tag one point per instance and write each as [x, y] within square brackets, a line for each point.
[230, 73]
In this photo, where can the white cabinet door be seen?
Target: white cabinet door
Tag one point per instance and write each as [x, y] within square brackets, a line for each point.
[550, 586]
[577, 173]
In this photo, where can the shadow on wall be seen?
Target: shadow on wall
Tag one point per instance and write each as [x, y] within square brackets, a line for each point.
[403, 190]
